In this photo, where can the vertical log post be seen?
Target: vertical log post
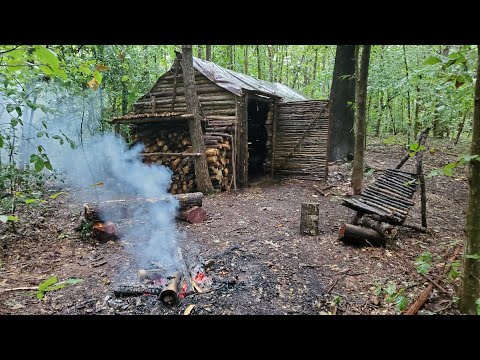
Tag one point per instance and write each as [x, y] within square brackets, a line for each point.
[309, 219]
[421, 177]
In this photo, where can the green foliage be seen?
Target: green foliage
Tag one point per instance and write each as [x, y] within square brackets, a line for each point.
[52, 284]
[454, 273]
[473, 256]
[392, 295]
[449, 169]
[423, 263]
[477, 302]
[5, 218]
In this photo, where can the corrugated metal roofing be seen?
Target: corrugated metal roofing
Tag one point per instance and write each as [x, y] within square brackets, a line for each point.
[236, 82]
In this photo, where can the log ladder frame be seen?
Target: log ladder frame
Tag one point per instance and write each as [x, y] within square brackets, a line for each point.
[386, 202]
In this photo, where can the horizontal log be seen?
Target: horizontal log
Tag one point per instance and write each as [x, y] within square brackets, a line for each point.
[182, 154]
[121, 209]
[359, 235]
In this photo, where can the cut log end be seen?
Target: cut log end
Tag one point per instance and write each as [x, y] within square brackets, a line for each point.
[105, 231]
[195, 215]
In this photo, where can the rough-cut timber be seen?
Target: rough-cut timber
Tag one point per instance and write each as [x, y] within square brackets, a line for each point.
[389, 197]
[358, 235]
[309, 219]
[301, 139]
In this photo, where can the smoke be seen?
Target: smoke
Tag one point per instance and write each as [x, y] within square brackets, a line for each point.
[117, 169]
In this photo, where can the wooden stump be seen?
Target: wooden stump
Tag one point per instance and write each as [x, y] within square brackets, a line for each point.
[309, 219]
[352, 234]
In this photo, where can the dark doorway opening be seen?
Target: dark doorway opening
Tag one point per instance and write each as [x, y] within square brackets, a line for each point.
[257, 138]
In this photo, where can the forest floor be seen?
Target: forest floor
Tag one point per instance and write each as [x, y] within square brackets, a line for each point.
[252, 242]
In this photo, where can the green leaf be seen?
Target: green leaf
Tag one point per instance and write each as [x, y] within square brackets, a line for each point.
[18, 109]
[378, 290]
[30, 201]
[97, 75]
[39, 164]
[390, 289]
[10, 107]
[59, 138]
[370, 172]
[14, 122]
[473, 256]
[84, 69]
[54, 196]
[50, 281]
[48, 165]
[1, 141]
[40, 134]
[477, 302]
[47, 57]
[33, 158]
[401, 302]
[432, 60]
[423, 268]
[12, 218]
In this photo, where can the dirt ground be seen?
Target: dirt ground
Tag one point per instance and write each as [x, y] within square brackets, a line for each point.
[255, 253]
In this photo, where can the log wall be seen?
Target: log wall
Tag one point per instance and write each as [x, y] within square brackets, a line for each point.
[301, 139]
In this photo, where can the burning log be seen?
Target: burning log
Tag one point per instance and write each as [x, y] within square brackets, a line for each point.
[358, 235]
[105, 231]
[153, 275]
[135, 290]
[169, 295]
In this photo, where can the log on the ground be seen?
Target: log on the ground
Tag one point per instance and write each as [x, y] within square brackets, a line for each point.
[148, 276]
[309, 219]
[359, 235]
[121, 209]
[422, 299]
[105, 231]
[386, 230]
[136, 290]
[169, 295]
[194, 215]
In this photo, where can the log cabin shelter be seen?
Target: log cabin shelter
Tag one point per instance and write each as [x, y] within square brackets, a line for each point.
[251, 127]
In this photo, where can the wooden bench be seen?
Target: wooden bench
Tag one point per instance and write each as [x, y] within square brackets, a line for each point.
[386, 203]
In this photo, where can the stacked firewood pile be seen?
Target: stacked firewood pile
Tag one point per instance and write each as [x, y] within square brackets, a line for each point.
[171, 146]
[219, 159]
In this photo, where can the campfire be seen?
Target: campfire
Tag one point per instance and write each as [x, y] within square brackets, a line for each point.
[170, 289]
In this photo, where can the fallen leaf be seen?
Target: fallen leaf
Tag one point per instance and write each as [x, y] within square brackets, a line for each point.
[189, 309]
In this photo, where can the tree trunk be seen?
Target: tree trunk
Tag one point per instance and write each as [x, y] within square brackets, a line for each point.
[259, 69]
[461, 124]
[379, 115]
[270, 63]
[199, 51]
[342, 95]
[245, 63]
[230, 57]
[470, 285]
[202, 177]
[208, 52]
[314, 71]
[409, 120]
[360, 124]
